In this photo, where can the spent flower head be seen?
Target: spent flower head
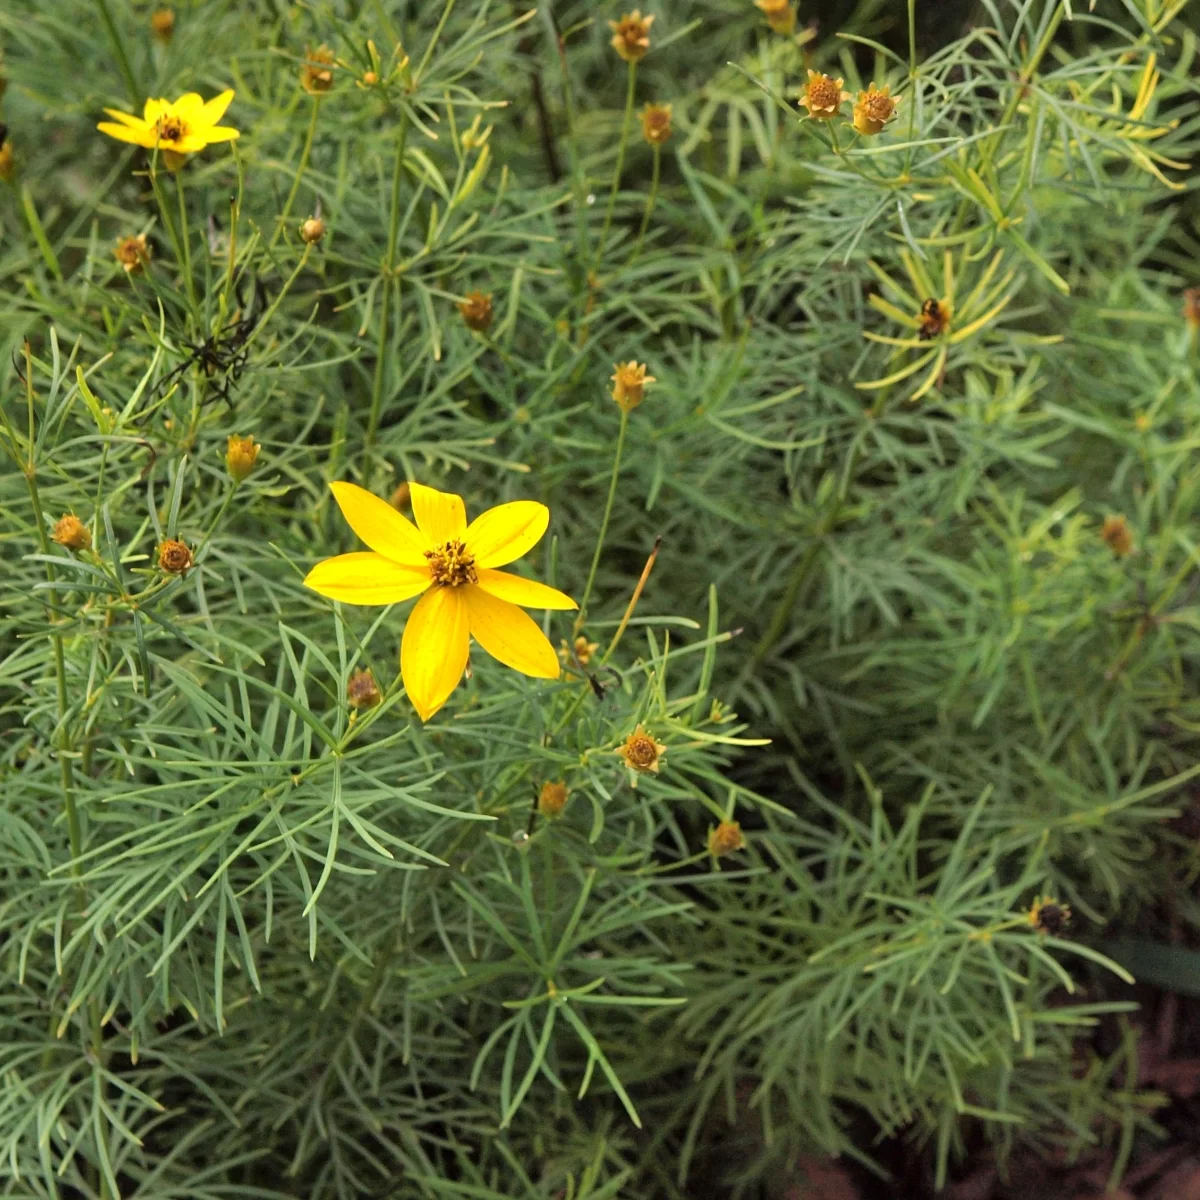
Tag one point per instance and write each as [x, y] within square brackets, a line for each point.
[133, 253]
[1049, 917]
[725, 838]
[175, 557]
[476, 310]
[873, 109]
[629, 384]
[316, 72]
[780, 14]
[552, 799]
[823, 96]
[631, 36]
[71, 532]
[177, 127]
[641, 752]
[362, 691]
[1117, 536]
[656, 123]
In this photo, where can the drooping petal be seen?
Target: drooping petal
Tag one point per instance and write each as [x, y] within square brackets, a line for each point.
[510, 635]
[366, 578]
[125, 118]
[504, 533]
[433, 652]
[214, 110]
[123, 133]
[380, 525]
[526, 592]
[440, 515]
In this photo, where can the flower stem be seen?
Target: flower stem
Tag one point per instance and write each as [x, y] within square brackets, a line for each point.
[119, 49]
[650, 200]
[185, 241]
[608, 507]
[305, 154]
[616, 183]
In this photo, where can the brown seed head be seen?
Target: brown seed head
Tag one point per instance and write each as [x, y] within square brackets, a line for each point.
[240, 456]
[476, 309]
[452, 565]
[780, 14]
[552, 799]
[656, 123]
[71, 532]
[641, 752]
[312, 231]
[1047, 916]
[162, 23]
[1191, 307]
[133, 253]
[823, 96]
[362, 691]
[400, 496]
[1117, 535]
[873, 109]
[174, 556]
[629, 384]
[316, 72]
[8, 162]
[726, 838]
[631, 36]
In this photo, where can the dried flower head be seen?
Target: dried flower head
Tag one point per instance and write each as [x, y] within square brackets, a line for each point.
[1047, 916]
[476, 309]
[1117, 535]
[581, 652]
[312, 231]
[725, 838]
[780, 14]
[174, 556]
[8, 162]
[162, 23]
[823, 96]
[362, 691]
[71, 532]
[873, 109]
[401, 496]
[316, 72]
[133, 253]
[934, 320]
[631, 35]
[641, 752]
[629, 384]
[1191, 307]
[656, 123]
[240, 456]
[552, 799]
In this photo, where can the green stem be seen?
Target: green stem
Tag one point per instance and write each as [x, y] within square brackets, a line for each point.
[650, 200]
[608, 507]
[616, 183]
[185, 241]
[783, 610]
[305, 153]
[119, 49]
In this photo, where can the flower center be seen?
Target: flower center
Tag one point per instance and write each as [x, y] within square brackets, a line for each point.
[452, 565]
[879, 108]
[824, 93]
[170, 129]
[641, 750]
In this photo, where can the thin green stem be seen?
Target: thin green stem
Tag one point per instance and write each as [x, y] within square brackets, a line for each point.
[185, 241]
[608, 507]
[305, 153]
[650, 200]
[119, 50]
[616, 182]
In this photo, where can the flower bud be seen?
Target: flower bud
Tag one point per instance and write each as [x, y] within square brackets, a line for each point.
[162, 23]
[726, 838]
[312, 231]
[240, 456]
[71, 532]
[476, 309]
[552, 799]
[629, 384]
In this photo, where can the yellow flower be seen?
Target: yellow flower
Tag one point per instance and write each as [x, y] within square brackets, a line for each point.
[240, 456]
[823, 96]
[656, 123]
[316, 74]
[1047, 916]
[452, 566]
[476, 309]
[631, 35]
[780, 14]
[177, 127]
[162, 22]
[133, 253]
[725, 839]
[71, 532]
[1117, 536]
[629, 384]
[873, 109]
[552, 799]
[641, 752]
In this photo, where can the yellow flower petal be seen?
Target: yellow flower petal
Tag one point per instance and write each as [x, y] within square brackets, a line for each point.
[380, 525]
[504, 533]
[509, 635]
[125, 118]
[214, 110]
[123, 133]
[218, 133]
[189, 106]
[433, 653]
[367, 578]
[154, 109]
[526, 592]
[440, 515]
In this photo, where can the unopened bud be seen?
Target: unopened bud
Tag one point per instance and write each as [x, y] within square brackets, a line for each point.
[240, 456]
[312, 231]
[71, 532]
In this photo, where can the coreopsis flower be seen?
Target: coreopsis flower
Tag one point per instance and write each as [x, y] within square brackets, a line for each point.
[656, 123]
[175, 557]
[1047, 916]
[177, 127]
[240, 456]
[362, 691]
[631, 36]
[641, 752]
[1117, 535]
[873, 109]
[452, 566]
[780, 14]
[71, 532]
[1191, 307]
[476, 309]
[162, 23]
[725, 838]
[133, 253]
[823, 96]
[316, 72]
[582, 651]
[629, 384]
[552, 799]
[312, 231]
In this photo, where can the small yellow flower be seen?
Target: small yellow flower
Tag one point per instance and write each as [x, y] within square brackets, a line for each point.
[362, 691]
[725, 838]
[780, 14]
[71, 532]
[552, 799]
[641, 752]
[174, 556]
[452, 566]
[582, 651]
[1117, 535]
[873, 109]
[656, 123]
[823, 96]
[1191, 307]
[312, 231]
[133, 253]
[316, 72]
[1047, 916]
[629, 384]
[8, 162]
[631, 35]
[162, 23]
[240, 456]
[476, 309]
[177, 127]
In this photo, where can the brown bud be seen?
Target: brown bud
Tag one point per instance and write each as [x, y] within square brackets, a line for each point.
[162, 22]
[174, 556]
[726, 838]
[71, 532]
[133, 253]
[552, 799]
[476, 309]
[1117, 536]
[656, 123]
[362, 691]
[312, 231]
[316, 73]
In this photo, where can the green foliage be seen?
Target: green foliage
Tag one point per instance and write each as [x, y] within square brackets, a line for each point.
[258, 943]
